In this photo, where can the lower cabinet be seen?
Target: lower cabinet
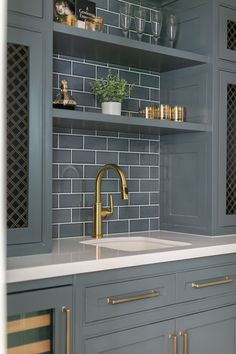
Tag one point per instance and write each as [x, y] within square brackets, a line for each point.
[151, 339]
[40, 321]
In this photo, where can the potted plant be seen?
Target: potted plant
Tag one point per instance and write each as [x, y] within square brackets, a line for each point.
[111, 91]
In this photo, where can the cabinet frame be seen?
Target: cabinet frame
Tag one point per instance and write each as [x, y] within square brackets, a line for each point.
[225, 14]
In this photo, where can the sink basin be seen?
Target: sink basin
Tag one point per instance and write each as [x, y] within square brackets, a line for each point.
[135, 244]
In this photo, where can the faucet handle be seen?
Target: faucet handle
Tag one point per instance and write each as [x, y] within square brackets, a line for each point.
[109, 211]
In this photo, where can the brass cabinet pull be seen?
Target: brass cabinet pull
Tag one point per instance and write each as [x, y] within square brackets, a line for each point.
[148, 295]
[68, 320]
[226, 280]
[174, 343]
[185, 341]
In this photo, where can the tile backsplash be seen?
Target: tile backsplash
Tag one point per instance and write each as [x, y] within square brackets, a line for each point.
[78, 153]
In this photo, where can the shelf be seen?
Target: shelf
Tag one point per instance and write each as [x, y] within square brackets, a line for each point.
[80, 43]
[85, 120]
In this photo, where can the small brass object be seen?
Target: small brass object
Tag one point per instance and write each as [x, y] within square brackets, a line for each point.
[64, 100]
[98, 212]
[68, 331]
[149, 112]
[226, 280]
[148, 295]
[94, 24]
[173, 337]
[178, 113]
[164, 112]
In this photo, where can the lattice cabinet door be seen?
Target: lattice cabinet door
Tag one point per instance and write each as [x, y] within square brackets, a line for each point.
[40, 322]
[24, 136]
[227, 149]
[227, 34]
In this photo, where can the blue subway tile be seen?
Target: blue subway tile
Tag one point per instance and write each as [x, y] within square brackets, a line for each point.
[149, 211]
[70, 171]
[129, 158]
[139, 198]
[61, 66]
[85, 156]
[71, 230]
[129, 212]
[61, 215]
[139, 145]
[118, 144]
[61, 156]
[83, 186]
[71, 141]
[70, 200]
[83, 214]
[83, 69]
[107, 157]
[74, 83]
[94, 143]
[139, 225]
[61, 186]
[120, 226]
[139, 172]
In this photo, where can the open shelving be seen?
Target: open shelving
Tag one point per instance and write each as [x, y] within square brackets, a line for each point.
[87, 120]
[80, 43]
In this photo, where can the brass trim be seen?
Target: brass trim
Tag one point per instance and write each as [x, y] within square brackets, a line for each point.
[148, 295]
[226, 280]
[185, 341]
[67, 311]
[173, 338]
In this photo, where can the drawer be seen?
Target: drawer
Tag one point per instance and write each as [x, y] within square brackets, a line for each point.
[127, 297]
[206, 282]
[27, 7]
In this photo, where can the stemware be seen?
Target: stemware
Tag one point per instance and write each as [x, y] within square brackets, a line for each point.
[125, 17]
[156, 24]
[171, 28]
[140, 21]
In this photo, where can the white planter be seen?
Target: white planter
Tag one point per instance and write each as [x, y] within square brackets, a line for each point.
[111, 108]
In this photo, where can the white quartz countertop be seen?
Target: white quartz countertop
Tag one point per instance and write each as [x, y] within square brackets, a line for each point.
[69, 256]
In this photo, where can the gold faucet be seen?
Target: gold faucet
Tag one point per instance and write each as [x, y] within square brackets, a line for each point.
[98, 212]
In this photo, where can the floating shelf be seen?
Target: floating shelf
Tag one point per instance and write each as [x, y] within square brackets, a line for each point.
[85, 120]
[80, 43]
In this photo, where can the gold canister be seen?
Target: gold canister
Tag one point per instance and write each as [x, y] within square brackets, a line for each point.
[71, 20]
[164, 112]
[178, 113]
[149, 112]
[94, 24]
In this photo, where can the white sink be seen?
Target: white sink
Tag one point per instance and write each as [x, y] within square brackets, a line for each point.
[135, 244]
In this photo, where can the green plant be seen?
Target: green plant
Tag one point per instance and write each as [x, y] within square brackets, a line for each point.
[111, 89]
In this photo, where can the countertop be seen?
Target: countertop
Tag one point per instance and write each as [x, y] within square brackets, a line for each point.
[69, 256]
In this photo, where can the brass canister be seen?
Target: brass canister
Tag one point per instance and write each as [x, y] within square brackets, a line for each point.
[164, 112]
[149, 112]
[178, 113]
[94, 24]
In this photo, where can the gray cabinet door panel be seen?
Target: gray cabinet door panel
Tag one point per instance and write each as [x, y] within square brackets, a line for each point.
[33, 231]
[151, 339]
[27, 7]
[210, 332]
[227, 38]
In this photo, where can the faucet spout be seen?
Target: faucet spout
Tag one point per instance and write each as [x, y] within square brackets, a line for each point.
[99, 213]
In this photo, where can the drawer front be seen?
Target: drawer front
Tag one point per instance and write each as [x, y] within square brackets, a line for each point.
[27, 7]
[206, 282]
[117, 299]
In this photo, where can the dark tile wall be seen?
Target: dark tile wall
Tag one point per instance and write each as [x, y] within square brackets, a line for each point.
[78, 154]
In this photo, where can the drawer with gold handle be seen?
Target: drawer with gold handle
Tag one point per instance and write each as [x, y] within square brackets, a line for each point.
[225, 280]
[147, 295]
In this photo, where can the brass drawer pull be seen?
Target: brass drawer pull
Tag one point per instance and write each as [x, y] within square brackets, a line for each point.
[174, 343]
[226, 280]
[185, 341]
[148, 295]
[68, 321]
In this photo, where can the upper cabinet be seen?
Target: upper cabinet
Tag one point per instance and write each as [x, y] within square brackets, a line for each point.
[29, 52]
[227, 35]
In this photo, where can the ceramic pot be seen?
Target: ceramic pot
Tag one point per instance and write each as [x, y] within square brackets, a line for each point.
[111, 108]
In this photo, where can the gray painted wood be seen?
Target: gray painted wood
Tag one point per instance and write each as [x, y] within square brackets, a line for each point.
[226, 15]
[76, 119]
[48, 299]
[117, 50]
[26, 7]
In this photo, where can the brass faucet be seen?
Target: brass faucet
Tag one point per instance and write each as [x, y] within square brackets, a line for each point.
[100, 213]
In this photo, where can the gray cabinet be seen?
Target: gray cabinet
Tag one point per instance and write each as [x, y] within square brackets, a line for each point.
[150, 339]
[209, 332]
[29, 56]
[32, 8]
[227, 149]
[40, 321]
[227, 38]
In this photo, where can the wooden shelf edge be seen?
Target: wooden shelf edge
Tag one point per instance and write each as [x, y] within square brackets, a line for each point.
[77, 119]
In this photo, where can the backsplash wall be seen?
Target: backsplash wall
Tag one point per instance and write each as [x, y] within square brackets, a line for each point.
[78, 153]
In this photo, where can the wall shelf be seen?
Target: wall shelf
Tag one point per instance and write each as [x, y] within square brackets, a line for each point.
[86, 120]
[75, 42]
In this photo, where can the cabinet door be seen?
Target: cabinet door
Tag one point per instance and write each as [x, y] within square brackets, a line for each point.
[27, 7]
[227, 149]
[24, 136]
[151, 339]
[227, 38]
[40, 321]
[210, 332]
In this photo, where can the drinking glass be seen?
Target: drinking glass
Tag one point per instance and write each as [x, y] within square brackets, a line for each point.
[156, 24]
[125, 17]
[171, 28]
[140, 21]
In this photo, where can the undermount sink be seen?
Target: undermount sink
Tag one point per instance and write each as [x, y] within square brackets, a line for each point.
[135, 244]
